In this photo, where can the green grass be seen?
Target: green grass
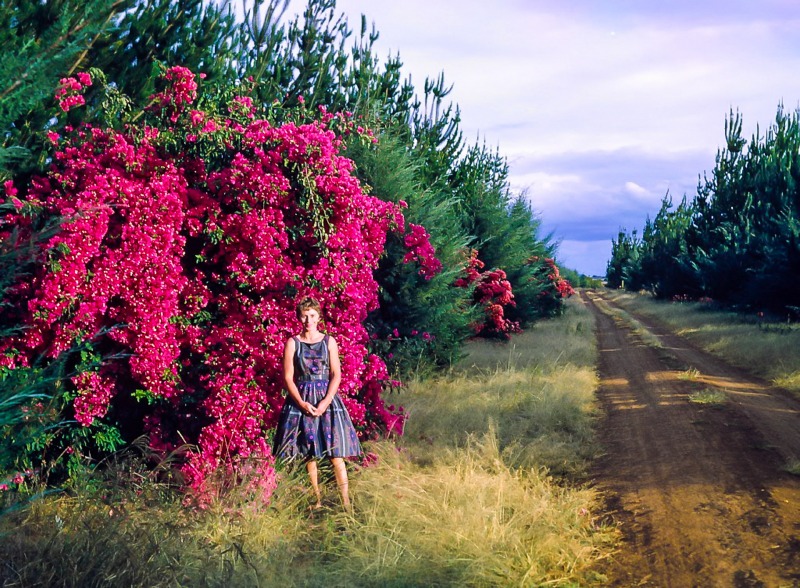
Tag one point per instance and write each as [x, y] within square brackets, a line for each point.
[770, 349]
[709, 396]
[689, 375]
[793, 468]
[484, 489]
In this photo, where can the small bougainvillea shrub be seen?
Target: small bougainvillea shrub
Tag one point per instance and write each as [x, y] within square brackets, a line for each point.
[188, 236]
[492, 293]
[554, 288]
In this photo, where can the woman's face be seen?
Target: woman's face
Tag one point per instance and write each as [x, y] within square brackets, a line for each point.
[310, 319]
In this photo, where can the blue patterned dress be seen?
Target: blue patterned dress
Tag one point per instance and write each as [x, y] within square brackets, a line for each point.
[330, 435]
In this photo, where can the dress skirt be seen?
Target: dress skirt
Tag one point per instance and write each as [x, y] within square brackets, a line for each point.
[330, 435]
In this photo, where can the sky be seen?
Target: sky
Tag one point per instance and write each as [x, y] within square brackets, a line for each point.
[601, 107]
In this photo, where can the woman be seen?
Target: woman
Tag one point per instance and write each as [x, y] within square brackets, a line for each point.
[314, 422]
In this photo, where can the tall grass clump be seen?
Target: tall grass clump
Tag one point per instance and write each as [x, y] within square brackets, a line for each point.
[536, 392]
[484, 489]
[767, 347]
[466, 519]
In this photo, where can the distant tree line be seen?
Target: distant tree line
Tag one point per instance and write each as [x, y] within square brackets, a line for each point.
[737, 241]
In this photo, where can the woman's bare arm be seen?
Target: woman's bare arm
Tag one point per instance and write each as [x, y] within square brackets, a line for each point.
[288, 379]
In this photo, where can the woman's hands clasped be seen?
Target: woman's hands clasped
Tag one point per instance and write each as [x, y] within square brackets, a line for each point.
[310, 410]
[315, 411]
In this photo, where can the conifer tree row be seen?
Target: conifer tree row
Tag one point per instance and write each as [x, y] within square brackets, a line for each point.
[738, 240]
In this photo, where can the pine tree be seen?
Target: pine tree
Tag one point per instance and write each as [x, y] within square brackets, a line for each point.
[42, 42]
[204, 37]
[624, 260]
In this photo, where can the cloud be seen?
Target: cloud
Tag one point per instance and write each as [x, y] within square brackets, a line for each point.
[636, 190]
[613, 189]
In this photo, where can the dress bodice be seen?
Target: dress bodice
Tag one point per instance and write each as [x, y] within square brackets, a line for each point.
[311, 360]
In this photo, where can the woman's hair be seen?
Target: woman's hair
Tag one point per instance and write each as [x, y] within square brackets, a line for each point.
[308, 303]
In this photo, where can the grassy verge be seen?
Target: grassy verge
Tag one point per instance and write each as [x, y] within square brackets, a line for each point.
[483, 490]
[768, 348]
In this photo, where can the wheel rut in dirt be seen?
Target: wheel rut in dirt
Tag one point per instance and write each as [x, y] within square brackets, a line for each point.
[699, 492]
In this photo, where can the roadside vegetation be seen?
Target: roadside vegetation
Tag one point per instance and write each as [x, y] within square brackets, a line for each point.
[768, 347]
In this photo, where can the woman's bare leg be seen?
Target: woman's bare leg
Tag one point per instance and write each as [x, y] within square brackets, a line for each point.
[311, 468]
[340, 471]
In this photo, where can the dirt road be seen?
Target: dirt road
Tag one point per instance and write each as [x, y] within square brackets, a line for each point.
[699, 491]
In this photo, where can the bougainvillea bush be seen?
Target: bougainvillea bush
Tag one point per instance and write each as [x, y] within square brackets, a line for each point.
[493, 293]
[554, 287]
[188, 236]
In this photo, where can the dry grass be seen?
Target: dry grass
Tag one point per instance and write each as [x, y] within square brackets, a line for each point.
[769, 349]
[540, 419]
[483, 490]
[788, 380]
[468, 519]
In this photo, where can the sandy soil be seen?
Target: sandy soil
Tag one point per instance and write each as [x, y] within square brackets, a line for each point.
[699, 491]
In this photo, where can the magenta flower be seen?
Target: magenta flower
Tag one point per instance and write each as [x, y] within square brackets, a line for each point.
[492, 292]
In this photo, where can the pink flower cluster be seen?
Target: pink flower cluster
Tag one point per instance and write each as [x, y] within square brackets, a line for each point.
[181, 91]
[94, 395]
[242, 106]
[555, 285]
[187, 276]
[17, 479]
[70, 91]
[420, 250]
[493, 293]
